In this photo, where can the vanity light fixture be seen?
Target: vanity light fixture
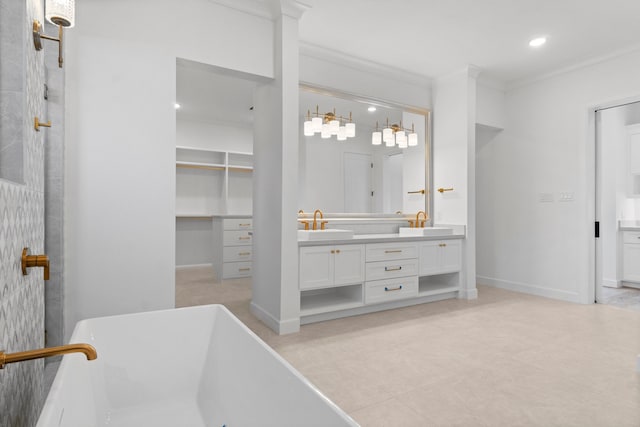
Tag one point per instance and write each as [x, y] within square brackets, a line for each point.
[60, 13]
[393, 135]
[329, 124]
[177, 106]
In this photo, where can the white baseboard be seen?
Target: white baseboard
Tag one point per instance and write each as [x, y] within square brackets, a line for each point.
[638, 364]
[281, 327]
[610, 283]
[183, 267]
[529, 289]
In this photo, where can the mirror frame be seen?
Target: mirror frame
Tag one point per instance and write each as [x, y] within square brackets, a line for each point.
[428, 135]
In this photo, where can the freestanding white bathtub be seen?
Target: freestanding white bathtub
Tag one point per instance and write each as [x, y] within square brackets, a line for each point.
[197, 366]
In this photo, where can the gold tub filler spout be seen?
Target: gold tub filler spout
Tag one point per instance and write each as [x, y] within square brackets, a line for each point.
[88, 350]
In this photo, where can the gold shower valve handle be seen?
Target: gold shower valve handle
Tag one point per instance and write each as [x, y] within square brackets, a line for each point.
[29, 261]
[442, 190]
[37, 124]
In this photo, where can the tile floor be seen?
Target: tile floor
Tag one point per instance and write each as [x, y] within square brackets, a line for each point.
[506, 359]
[622, 297]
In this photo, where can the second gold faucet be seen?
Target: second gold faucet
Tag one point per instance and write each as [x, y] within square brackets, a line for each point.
[315, 220]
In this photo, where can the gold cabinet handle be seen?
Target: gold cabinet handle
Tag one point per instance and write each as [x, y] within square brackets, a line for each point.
[244, 269]
[333, 251]
[442, 245]
[29, 261]
[395, 268]
[244, 225]
[395, 251]
[244, 253]
[416, 192]
[244, 238]
[442, 190]
[392, 289]
[337, 251]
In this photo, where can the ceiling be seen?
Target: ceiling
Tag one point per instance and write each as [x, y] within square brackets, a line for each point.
[437, 37]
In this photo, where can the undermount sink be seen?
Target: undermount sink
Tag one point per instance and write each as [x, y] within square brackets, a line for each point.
[425, 231]
[329, 234]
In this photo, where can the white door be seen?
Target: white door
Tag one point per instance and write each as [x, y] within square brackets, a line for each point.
[358, 191]
[392, 181]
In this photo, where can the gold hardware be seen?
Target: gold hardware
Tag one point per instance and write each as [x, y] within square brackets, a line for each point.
[244, 269]
[333, 251]
[410, 223]
[211, 168]
[306, 223]
[392, 289]
[88, 351]
[395, 251]
[442, 245]
[337, 251]
[396, 268]
[244, 238]
[244, 253]
[244, 225]
[416, 192]
[442, 190]
[301, 212]
[237, 169]
[29, 261]
[37, 124]
[322, 223]
[420, 224]
[315, 221]
[38, 35]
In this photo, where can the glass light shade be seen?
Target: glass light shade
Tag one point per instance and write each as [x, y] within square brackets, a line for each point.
[342, 133]
[351, 130]
[308, 128]
[387, 136]
[401, 138]
[326, 131]
[334, 126]
[61, 12]
[316, 124]
[413, 139]
[376, 138]
[402, 143]
[390, 142]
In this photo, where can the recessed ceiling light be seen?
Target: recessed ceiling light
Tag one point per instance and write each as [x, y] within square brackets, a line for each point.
[538, 41]
[176, 105]
[371, 109]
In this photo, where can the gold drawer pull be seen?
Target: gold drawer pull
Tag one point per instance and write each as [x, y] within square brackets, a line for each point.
[442, 245]
[396, 251]
[392, 289]
[244, 238]
[337, 251]
[244, 269]
[244, 225]
[244, 253]
[396, 268]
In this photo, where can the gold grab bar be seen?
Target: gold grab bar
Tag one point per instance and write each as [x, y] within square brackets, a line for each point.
[87, 349]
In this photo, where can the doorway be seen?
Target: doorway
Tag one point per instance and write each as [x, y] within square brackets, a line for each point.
[617, 153]
[358, 193]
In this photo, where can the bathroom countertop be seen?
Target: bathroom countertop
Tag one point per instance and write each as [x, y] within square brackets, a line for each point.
[377, 238]
[629, 225]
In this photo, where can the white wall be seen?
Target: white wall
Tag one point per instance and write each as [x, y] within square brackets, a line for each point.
[544, 247]
[215, 136]
[120, 158]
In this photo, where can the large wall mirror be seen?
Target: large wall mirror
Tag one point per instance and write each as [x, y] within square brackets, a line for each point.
[354, 176]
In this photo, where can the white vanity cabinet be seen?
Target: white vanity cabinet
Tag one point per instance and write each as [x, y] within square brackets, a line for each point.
[327, 266]
[391, 272]
[233, 247]
[631, 256]
[440, 256]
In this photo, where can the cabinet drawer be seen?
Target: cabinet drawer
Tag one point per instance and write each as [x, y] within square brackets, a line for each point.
[631, 236]
[391, 251]
[391, 289]
[236, 269]
[237, 224]
[236, 253]
[236, 238]
[389, 269]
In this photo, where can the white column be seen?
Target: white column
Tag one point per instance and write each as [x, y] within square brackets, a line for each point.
[276, 299]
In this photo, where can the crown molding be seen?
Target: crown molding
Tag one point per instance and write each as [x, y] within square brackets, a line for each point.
[468, 70]
[267, 9]
[517, 84]
[318, 52]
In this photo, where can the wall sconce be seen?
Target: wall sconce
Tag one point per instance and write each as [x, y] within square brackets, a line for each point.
[395, 135]
[60, 13]
[329, 124]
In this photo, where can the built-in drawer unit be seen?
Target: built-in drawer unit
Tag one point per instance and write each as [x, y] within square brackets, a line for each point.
[232, 247]
[391, 251]
[236, 269]
[389, 269]
[380, 291]
[631, 237]
[237, 224]
[631, 257]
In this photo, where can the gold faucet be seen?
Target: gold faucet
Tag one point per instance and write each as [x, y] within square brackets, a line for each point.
[302, 221]
[315, 221]
[87, 349]
[420, 224]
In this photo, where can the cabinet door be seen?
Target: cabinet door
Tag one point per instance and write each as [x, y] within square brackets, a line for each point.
[451, 256]
[631, 262]
[429, 258]
[349, 264]
[316, 267]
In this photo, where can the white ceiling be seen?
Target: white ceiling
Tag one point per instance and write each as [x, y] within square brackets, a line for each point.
[436, 37]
